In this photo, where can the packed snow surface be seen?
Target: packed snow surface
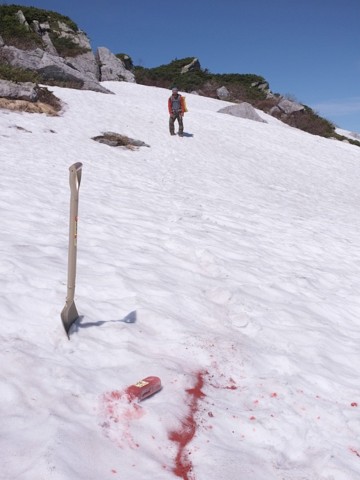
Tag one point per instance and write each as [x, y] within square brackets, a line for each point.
[226, 263]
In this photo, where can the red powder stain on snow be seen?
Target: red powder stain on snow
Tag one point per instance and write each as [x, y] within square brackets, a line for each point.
[273, 395]
[354, 404]
[252, 418]
[183, 465]
[232, 385]
[118, 413]
[355, 451]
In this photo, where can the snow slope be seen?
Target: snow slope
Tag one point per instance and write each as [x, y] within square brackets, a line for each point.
[225, 262]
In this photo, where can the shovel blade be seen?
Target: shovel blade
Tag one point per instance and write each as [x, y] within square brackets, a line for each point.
[69, 315]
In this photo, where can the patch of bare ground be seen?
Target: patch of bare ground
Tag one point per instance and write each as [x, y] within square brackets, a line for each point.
[46, 103]
[26, 106]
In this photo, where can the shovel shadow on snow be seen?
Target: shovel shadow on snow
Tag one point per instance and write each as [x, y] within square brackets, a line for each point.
[129, 318]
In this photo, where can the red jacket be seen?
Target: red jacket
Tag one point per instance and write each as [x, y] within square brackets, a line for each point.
[182, 105]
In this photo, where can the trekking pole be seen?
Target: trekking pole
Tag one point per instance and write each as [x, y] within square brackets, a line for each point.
[69, 313]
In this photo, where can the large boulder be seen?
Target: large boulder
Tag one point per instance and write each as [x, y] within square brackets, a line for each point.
[289, 107]
[242, 110]
[51, 68]
[21, 91]
[223, 93]
[111, 67]
[85, 63]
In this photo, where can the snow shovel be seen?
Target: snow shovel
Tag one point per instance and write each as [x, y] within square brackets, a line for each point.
[69, 313]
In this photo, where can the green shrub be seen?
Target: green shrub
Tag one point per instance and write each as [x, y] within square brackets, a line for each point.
[65, 47]
[126, 59]
[12, 74]
[309, 121]
[21, 37]
[14, 33]
[240, 86]
[346, 139]
[32, 13]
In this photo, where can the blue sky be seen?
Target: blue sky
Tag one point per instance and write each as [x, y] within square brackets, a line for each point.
[307, 49]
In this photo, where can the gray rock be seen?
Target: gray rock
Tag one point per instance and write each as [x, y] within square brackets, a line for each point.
[275, 111]
[83, 71]
[19, 91]
[50, 67]
[43, 31]
[111, 67]
[79, 37]
[194, 66]
[288, 106]
[263, 86]
[117, 140]
[21, 17]
[223, 93]
[243, 110]
[85, 63]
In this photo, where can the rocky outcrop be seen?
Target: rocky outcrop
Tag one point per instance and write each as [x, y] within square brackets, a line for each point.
[242, 110]
[194, 66]
[111, 67]
[84, 69]
[53, 69]
[22, 20]
[262, 86]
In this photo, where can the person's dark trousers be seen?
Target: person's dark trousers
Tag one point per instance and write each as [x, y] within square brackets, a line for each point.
[178, 117]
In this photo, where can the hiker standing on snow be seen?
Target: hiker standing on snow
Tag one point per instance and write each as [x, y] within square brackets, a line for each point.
[176, 106]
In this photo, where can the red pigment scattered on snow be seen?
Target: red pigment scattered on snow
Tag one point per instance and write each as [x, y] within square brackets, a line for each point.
[354, 404]
[183, 437]
[252, 417]
[273, 395]
[115, 394]
[232, 385]
[355, 451]
[118, 413]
